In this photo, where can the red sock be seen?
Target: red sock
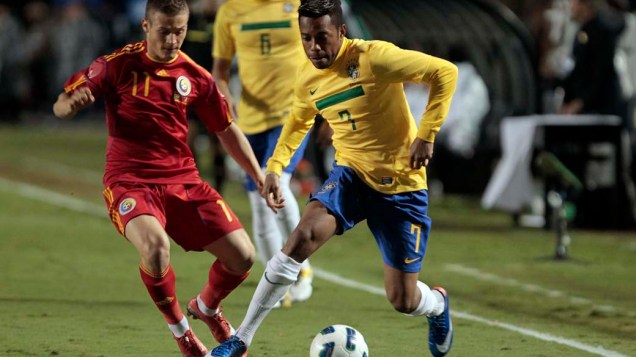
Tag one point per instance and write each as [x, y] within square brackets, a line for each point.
[220, 284]
[162, 290]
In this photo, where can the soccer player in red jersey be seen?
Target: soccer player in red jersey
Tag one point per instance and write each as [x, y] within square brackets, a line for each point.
[153, 189]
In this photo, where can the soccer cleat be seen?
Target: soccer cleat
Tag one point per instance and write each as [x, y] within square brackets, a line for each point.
[233, 347]
[219, 326]
[190, 345]
[440, 329]
[301, 290]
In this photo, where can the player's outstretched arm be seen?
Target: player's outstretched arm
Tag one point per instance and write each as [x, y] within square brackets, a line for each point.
[66, 106]
[239, 148]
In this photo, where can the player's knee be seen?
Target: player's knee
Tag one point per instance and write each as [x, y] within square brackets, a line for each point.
[240, 266]
[243, 259]
[246, 261]
[156, 248]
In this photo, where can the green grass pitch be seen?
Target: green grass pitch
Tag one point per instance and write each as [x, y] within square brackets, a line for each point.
[69, 284]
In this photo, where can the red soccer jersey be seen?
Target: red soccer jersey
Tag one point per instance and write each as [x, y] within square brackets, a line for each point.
[146, 103]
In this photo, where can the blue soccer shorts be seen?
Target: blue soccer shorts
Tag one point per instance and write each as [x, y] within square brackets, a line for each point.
[263, 145]
[399, 222]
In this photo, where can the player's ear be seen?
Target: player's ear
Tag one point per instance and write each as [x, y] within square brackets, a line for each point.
[343, 30]
[145, 25]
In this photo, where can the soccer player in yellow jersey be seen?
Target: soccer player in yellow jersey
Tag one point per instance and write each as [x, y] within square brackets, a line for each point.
[263, 35]
[379, 174]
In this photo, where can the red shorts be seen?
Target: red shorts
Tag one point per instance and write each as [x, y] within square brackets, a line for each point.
[193, 215]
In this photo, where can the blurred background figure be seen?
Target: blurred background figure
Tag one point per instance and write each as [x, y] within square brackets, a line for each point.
[553, 30]
[264, 38]
[470, 105]
[593, 85]
[601, 79]
[134, 10]
[36, 55]
[75, 40]
[10, 56]
[625, 61]
[462, 128]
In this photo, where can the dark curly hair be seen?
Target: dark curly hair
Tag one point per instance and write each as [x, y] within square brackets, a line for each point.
[318, 8]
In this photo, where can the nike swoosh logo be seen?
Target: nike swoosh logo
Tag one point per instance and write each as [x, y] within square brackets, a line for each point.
[311, 92]
[409, 261]
[271, 282]
[444, 347]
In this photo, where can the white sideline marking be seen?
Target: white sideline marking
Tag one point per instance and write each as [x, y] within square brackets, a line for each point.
[57, 199]
[599, 350]
[493, 278]
[58, 169]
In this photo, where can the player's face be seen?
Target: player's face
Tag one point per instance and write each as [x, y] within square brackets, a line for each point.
[165, 34]
[321, 40]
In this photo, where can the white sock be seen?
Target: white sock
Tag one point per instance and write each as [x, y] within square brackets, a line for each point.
[281, 271]
[431, 302]
[204, 309]
[266, 234]
[179, 329]
[441, 304]
[288, 216]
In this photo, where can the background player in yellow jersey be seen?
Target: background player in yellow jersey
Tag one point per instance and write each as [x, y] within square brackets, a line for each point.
[379, 173]
[263, 34]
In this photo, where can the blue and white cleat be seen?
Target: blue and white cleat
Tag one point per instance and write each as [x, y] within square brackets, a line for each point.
[440, 329]
[233, 347]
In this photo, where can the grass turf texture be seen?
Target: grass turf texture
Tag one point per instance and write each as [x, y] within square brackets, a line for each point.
[70, 286]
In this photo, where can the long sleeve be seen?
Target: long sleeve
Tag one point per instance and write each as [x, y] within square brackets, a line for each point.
[442, 77]
[393, 64]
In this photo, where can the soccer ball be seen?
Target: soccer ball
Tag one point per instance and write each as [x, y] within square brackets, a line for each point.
[339, 341]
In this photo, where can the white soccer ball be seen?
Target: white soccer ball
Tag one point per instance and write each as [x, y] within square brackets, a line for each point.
[339, 341]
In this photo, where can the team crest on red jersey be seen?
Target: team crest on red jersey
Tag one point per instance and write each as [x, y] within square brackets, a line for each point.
[184, 86]
[127, 205]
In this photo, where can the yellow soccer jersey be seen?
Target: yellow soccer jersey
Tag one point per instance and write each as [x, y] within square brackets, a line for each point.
[362, 97]
[264, 36]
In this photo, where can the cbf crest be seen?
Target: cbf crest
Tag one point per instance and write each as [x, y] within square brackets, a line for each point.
[288, 7]
[327, 187]
[352, 69]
